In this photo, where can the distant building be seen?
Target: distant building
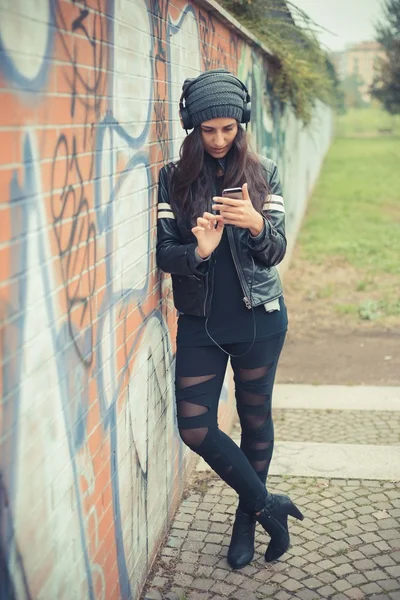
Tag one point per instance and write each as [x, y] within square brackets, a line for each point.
[359, 59]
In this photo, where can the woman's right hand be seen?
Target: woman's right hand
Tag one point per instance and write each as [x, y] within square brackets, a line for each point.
[208, 232]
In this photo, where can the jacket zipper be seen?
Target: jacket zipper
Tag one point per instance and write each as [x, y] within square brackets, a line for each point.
[238, 269]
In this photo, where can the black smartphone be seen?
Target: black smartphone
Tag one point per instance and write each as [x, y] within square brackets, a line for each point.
[235, 193]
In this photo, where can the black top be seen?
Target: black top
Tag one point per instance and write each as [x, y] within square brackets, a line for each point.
[230, 321]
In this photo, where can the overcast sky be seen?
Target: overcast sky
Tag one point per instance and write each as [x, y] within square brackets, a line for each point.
[351, 20]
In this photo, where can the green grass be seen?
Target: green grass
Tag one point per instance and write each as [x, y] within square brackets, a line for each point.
[367, 121]
[355, 209]
[353, 221]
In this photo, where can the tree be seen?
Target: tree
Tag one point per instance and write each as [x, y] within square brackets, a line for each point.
[386, 85]
[351, 88]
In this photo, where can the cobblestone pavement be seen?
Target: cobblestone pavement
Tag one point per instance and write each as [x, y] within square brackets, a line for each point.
[348, 546]
[337, 426]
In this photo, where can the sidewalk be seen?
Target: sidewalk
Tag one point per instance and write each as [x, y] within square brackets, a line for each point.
[346, 480]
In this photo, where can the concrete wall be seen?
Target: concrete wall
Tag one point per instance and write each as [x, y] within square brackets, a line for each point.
[91, 464]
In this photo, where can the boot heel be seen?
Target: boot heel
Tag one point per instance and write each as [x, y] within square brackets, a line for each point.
[293, 511]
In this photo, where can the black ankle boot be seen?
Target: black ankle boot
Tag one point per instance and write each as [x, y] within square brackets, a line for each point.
[241, 548]
[274, 519]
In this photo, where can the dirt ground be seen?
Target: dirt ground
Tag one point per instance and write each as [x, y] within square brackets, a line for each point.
[328, 342]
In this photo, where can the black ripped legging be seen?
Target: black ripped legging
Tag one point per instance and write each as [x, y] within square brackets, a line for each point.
[200, 373]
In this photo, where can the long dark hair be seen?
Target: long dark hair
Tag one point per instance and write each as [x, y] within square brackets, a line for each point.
[193, 176]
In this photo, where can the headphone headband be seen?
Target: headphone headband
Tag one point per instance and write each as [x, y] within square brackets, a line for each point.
[187, 84]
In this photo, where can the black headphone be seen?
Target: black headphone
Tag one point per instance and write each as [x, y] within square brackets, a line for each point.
[184, 111]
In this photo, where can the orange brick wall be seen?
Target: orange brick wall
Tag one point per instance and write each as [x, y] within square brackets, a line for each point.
[91, 465]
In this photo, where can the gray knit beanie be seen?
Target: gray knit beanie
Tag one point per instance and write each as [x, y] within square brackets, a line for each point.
[214, 94]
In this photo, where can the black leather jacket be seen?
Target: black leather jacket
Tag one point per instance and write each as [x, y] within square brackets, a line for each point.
[255, 259]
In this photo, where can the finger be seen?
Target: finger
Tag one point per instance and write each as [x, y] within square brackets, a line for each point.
[223, 209]
[197, 229]
[227, 201]
[220, 225]
[245, 192]
[211, 217]
[227, 214]
[207, 224]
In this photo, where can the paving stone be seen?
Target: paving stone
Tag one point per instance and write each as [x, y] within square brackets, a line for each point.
[282, 595]
[278, 578]
[327, 577]
[219, 574]
[159, 582]
[173, 595]
[223, 588]
[244, 595]
[211, 499]
[389, 524]
[214, 538]
[205, 506]
[192, 546]
[218, 517]
[356, 579]
[343, 570]
[207, 559]
[307, 595]
[203, 571]
[326, 564]
[375, 575]
[186, 567]
[292, 585]
[250, 585]
[389, 585]
[297, 574]
[364, 564]
[297, 561]
[202, 583]
[340, 560]
[183, 579]
[355, 594]
[219, 528]
[390, 534]
[266, 591]
[341, 585]
[234, 578]
[193, 595]
[201, 525]
[197, 536]
[394, 571]
[183, 526]
[211, 549]
[326, 591]
[153, 595]
[312, 569]
[311, 583]
[190, 557]
[371, 588]
[174, 542]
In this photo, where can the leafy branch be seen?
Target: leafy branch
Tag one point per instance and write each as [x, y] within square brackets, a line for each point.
[303, 72]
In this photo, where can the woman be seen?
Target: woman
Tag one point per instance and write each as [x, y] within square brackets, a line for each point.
[222, 254]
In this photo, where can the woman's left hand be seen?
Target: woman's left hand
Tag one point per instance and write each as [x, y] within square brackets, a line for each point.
[240, 212]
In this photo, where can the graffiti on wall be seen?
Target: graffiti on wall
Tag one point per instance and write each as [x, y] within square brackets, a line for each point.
[87, 347]
[91, 465]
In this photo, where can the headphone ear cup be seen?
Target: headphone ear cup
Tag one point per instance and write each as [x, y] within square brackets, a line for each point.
[246, 112]
[186, 118]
